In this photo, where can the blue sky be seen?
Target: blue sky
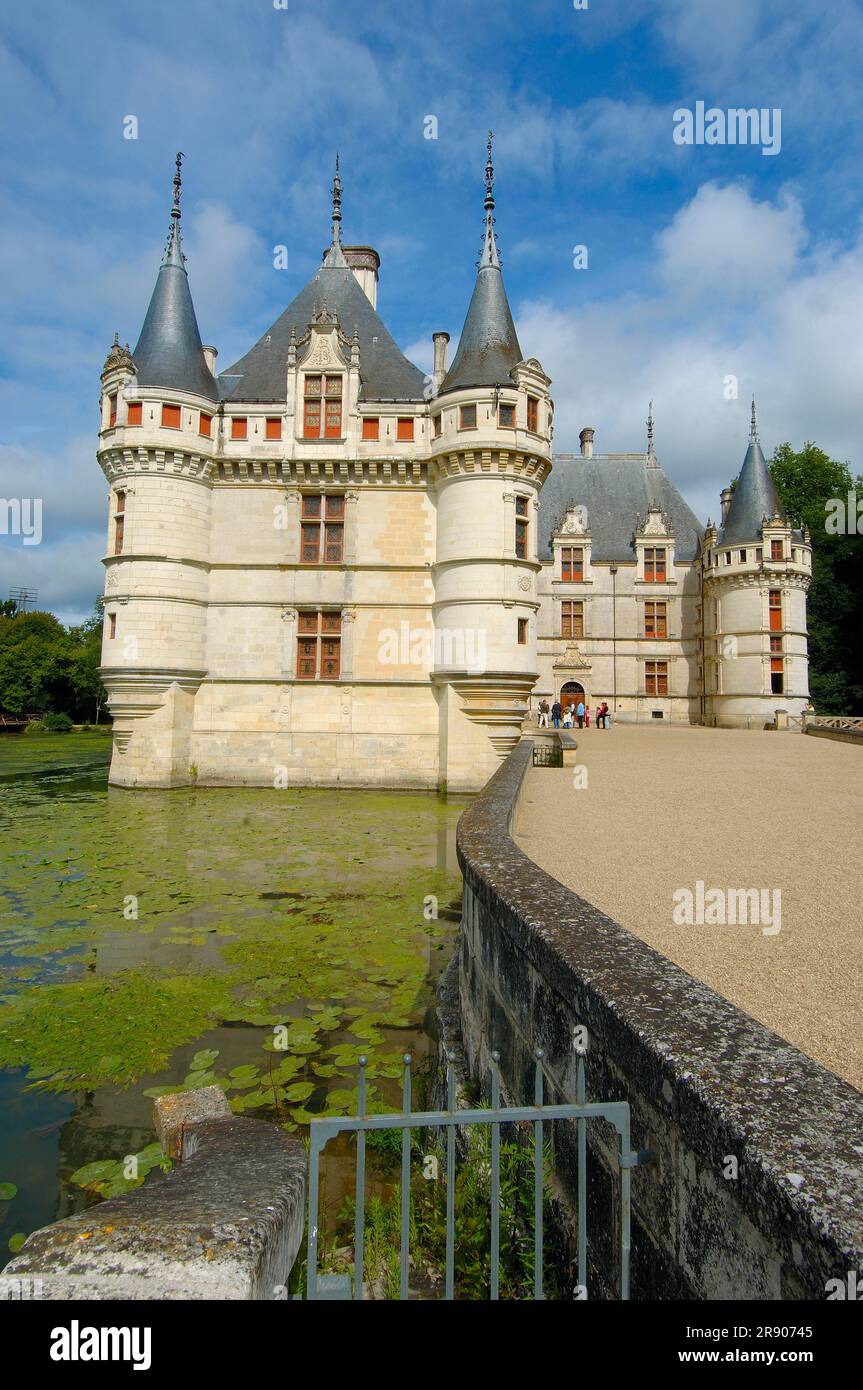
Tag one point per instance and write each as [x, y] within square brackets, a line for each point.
[703, 261]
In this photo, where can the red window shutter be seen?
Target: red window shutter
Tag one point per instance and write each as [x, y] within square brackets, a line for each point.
[405, 428]
[532, 414]
[312, 420]
[134, 413]
[118, 534]
[330, 658]
[311, 504]
[239, 427]
[112, 409]
[170, 417]
[205, 424]
[371, 428]
[333, 420]
[274, 427]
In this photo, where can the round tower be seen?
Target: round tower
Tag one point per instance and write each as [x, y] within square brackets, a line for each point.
[156, 442]
[491, 452]
[756, 573]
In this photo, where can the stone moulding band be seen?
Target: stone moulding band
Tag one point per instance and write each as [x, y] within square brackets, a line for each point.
[705, 1081]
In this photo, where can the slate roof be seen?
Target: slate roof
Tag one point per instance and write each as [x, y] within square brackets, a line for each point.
[617, 491]
[488, 347]
[169, 352]
[755, 497]
[385, 372]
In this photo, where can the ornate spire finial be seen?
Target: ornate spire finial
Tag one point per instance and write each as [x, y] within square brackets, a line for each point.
[173, 251]
[753, 428]
[337, 206]
[651, 450]
[489, 254]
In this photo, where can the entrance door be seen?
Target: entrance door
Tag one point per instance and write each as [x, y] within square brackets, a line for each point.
[570, 694]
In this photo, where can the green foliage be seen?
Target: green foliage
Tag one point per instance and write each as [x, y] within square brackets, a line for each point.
[807, 480]
[7, 1191]
[48, 669]
[107, 1177]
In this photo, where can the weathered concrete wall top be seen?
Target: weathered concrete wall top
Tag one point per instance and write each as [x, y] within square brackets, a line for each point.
[705, 1081]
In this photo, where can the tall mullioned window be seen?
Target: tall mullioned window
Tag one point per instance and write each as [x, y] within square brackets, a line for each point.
[656, 620]
[656, 678]
[775, 610]
[322, 529]
[572, 618]
[319, 642]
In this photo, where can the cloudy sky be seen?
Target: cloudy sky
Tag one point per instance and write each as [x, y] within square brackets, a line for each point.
[704, 262]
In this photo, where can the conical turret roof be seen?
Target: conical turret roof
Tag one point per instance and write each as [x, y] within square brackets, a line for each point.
[488, 348]
[755, 496]
[169, 352]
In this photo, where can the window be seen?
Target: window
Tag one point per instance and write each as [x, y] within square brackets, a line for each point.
[656, 678]
[318, 645]
[119, 521]
[654, 564]
[322, 528]
[777, 550]
[405, 428]
[134, 413]
[522, 632]
[436, 426]
[775, 609]
[322, 392]
[170, 417]
[273, 427]
[205, 424]
[572, 618]
[371, 427]
[656, 620]
[467, 417]
[112, 410]
[506, 417]
[533, 414]
[728, 557]
[112, 624]
[572, 564]
[743, 557]
[239, 427]
[521, 527]
[759, 555]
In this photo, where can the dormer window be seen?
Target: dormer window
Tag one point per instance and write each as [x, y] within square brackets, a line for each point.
[777, 550]
[654, 564]
[467, 417]
[572, 564]
[322, 407]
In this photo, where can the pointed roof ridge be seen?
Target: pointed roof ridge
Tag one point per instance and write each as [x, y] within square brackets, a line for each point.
[169, 352]
[335, 256]
[755, 496]
[488, 348]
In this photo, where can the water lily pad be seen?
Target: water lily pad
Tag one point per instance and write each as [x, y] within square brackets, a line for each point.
[16, 1241]
[7, 1191]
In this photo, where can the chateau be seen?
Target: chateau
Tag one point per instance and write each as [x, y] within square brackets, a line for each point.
[325, 568]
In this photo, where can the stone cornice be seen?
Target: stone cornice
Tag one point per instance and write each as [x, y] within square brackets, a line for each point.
[760, 579]
[483, 463]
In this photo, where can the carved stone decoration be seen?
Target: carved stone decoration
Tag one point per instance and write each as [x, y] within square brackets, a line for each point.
[118, 357]
[524, 583]
[655, 523]
[571, 659]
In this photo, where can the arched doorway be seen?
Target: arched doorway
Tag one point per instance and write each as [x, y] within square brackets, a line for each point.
[570, 694]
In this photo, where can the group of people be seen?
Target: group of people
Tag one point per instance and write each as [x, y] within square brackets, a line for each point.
[573, 714]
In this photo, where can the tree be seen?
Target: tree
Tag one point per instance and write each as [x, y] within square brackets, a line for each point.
[47, 668]
[807, 481]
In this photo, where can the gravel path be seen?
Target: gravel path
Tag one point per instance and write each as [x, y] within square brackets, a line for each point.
[666, 807]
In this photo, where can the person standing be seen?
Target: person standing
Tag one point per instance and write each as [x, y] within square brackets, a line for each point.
[556, 712]
[543, 714]
[580, 714]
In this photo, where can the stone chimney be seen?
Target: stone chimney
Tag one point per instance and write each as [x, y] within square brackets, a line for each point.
[365, 262]
[210, 355]
[725, 497]
[585, 439]
[440, 341]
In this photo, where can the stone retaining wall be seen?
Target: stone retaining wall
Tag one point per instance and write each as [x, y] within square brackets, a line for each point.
[706, 1084]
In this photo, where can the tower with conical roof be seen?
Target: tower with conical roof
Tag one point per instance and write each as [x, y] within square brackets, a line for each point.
[156, 446]
[756, 571]
[491, 453]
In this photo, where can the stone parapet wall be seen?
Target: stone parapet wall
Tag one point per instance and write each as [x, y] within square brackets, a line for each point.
[705, 1082]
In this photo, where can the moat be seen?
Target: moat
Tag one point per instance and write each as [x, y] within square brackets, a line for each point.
[261, 940]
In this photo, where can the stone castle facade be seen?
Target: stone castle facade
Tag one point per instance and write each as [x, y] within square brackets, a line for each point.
[325, 568]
